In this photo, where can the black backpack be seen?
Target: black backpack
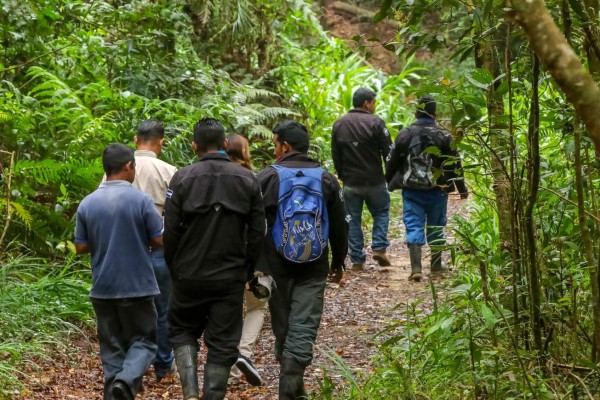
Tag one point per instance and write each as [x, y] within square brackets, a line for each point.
[420, 173]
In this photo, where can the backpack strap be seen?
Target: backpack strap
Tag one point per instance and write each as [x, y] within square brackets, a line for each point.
[287, 172]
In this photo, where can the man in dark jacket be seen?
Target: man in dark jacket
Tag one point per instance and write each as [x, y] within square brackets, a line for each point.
[359, 145]
[214, 228]
[297, 303]
[426, 167]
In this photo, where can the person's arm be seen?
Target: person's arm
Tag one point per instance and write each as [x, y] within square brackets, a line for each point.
[336, 153]
[173, 218]
[156, 242]
[81, 234]
[394, 158]
[454, 167]
[384, 140]
[338, 226]
[154, 224]
[256, 227]
[82, 248]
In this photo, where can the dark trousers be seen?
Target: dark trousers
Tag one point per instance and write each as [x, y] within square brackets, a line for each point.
[212, 308]
[296, 307]
[127, 336]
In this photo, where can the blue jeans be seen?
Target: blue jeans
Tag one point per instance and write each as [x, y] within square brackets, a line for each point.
[424, 210]
[377, 199]
[127, 338]
[164, 355]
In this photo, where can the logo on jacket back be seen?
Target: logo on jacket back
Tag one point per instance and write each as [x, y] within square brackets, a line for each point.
[421, 149]
[301, 228]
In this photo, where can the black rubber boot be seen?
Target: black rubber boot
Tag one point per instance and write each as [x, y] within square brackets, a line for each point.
[291, 380]
[414, 251]
[215, 381]
[186, 358]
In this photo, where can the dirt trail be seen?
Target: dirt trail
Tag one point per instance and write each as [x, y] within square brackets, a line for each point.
[354, 312]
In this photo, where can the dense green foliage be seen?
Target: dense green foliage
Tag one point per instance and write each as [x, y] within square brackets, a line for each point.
[77, 75]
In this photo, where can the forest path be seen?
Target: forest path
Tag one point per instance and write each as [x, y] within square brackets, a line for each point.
[354, 311]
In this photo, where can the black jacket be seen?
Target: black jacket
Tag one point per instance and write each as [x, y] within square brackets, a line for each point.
[270, 260]
[214, 221]
[360, 143]
[448, 161]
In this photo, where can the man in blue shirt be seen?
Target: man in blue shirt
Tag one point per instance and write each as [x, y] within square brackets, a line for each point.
[118, 225]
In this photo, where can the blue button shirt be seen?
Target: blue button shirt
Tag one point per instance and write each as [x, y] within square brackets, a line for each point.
[117, 221]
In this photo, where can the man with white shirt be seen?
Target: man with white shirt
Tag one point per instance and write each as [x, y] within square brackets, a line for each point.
[152, 176]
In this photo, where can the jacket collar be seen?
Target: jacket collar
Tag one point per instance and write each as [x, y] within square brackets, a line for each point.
[145, 153]
[359, 110]
[425, 121]
[218, 155]
[115, 183]
[294, 156]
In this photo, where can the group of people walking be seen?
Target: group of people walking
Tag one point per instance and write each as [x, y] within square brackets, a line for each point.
[229, 237]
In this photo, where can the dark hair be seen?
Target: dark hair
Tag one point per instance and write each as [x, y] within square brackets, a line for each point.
[115, 156]
[294, 133]
[209, 134]
[426, 107]
[150, 130]
[237, 149]
[361, 95]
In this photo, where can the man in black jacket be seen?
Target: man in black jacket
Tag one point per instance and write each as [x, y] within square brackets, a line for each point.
[297, 303]
[214, 228]
[359, 145]
[424, 164]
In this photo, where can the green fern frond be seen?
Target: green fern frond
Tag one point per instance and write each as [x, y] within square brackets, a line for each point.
[21, 213]
[245, 18]
[279, 112]
[206, 12]
[254, 93]
[259, 131]
[42, 172]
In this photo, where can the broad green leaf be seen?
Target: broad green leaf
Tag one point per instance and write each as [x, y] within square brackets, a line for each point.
[488, 316]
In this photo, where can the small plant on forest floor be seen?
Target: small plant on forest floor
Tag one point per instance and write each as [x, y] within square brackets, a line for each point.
[459, 350]
[39, 302]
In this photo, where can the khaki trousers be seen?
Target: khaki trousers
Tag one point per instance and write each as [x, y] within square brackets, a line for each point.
[253, 323]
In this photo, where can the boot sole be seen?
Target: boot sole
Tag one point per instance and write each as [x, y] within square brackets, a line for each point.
[383, 262]
[415, 277]
[249, 372]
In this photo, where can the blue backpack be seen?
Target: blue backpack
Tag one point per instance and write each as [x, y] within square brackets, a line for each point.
[301, 228]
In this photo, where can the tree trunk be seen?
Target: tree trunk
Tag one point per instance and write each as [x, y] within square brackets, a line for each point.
[587, 243]
[533, 180]
[561, 62]
[486, 56]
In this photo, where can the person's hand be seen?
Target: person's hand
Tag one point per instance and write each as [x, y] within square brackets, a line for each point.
[464, 195]
[336, 274]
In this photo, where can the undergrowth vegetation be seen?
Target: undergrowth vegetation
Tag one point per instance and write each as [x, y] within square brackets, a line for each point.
[521, 316]
[40, 302]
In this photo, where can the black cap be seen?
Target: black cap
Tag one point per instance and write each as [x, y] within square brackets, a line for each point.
[294, 133]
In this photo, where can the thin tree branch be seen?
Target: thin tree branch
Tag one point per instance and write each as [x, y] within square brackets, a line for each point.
[8, 193]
